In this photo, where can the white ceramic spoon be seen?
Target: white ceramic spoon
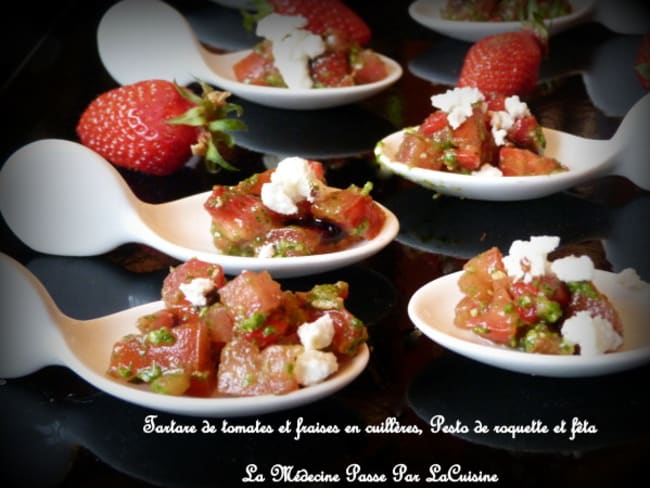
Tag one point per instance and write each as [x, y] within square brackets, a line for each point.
[35, 334]
[626, 18]
[60, 197]
[625, 154]
[431, 309]
[144, 39]
[427, 13]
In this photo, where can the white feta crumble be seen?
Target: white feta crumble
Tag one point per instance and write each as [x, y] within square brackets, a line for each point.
[572, 268]
[594, 335]
[291, 182]
[313, 366]
[629, 278]
[457, 103]
[266, 251]
[527, 259]
[292, 48]
[515, 107]
[317, 334]
[488, 170]
[501, 121]
[196, 290]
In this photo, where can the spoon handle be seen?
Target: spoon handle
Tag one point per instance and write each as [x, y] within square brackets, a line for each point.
[30, 337]
[60, 197]
[147, 39]
[633, 145]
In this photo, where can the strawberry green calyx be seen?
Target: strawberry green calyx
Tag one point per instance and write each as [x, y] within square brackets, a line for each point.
[210, 114]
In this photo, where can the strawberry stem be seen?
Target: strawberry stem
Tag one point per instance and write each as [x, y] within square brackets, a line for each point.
[210, 113]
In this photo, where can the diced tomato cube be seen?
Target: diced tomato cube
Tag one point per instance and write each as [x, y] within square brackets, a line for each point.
[237, 218]
[496, 320]
[185, 273]
[522, 162]
[257, 68]
[252, 185]
[474, 141]
[166, 317]
[218, 322]
[350, 209]
[542, 299]
[186, 347]
[368, 67]
[293, 240]
[417, 150]
[266, 332]
[249, 293]
[480, 272]
[349, 332]
[244, 370]
[487, 307]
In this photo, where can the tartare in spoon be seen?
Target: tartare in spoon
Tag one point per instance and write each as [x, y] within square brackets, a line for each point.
[148, 39]
[36, 334]
[625, 154]
[60, 197]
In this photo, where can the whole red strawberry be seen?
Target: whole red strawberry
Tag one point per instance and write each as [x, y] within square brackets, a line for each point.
[642, 65]
[323, 17]
[506, 64]
[154, 126]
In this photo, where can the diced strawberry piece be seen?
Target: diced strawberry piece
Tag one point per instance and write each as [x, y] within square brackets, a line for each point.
[436, 121]
[331, 69]
[526, 133]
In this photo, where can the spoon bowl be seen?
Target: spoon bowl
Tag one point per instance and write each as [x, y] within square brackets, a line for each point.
[36, 334]
[625, 154]
[60, 197]
[437, 323]
[147, 39]
[427, 13]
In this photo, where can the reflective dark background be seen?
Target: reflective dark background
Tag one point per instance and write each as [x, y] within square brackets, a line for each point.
[57, 430]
